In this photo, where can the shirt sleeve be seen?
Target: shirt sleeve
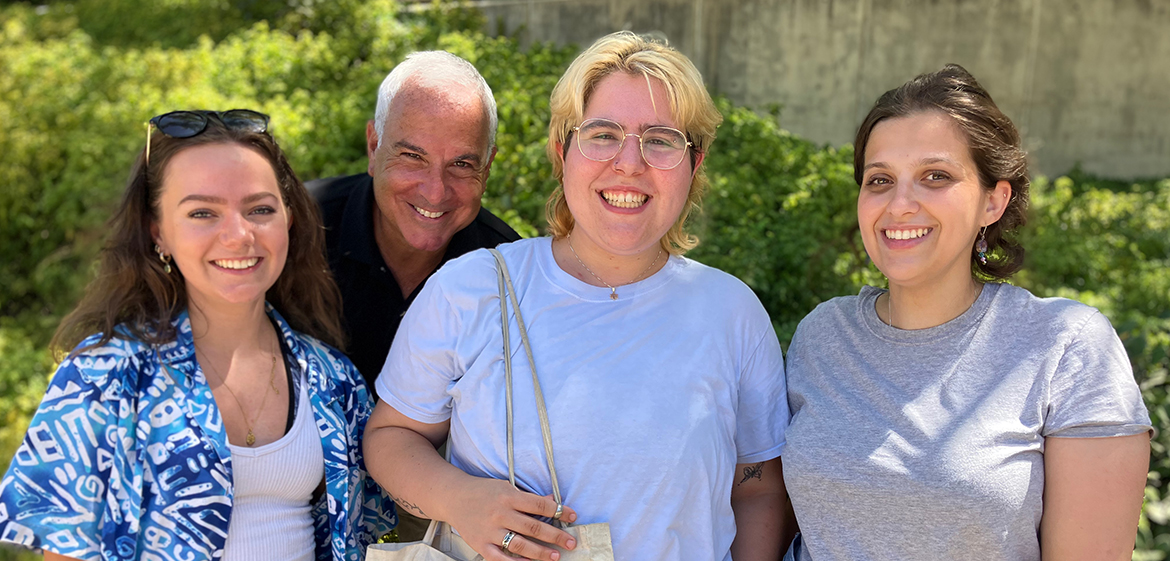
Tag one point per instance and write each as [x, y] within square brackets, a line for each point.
[66, 471]
[1093, 392]
[762, 417]
[422, 364]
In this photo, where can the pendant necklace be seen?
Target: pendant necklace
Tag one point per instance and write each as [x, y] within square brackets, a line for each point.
[613, 295]
[251, 438]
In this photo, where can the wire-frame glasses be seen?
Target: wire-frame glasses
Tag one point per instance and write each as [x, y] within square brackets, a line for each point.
[601, 140]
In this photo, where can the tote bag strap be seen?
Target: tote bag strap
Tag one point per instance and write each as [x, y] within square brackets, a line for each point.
[508, 294]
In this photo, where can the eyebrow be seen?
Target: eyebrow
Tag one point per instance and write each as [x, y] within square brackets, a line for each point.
[470, 156]
[220, 200]
[644, 126]
[936, 160]
[409, 146]
[923, 162]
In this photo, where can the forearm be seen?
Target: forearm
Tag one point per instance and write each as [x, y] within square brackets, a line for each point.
[759, 526]
[407, 466]
[404, 462]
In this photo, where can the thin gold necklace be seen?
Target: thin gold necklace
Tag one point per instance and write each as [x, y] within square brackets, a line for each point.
[613, 295]
[890, 304]
[889, 309]
[251, 438]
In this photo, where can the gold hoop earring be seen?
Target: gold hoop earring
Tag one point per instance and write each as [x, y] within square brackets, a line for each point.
[162, 256]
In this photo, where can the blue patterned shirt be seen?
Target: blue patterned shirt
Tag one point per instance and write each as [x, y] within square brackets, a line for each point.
[127, 460]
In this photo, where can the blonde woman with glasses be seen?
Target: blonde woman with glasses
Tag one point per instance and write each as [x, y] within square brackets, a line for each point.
[663, 378]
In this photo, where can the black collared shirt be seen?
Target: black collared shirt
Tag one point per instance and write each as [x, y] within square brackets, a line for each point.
[372, 302]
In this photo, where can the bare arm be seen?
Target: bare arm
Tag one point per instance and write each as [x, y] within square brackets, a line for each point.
[1093, 490]
[400, 455]
[761, 508]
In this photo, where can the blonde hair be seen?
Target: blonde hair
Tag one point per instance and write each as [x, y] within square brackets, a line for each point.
[690, 105]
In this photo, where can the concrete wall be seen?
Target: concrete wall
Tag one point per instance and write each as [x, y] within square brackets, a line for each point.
[1086, 81]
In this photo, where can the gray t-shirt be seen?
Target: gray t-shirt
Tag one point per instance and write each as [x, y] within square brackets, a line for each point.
[929, 444]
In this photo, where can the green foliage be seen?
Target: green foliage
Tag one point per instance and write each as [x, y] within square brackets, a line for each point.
[1107, 243]
[780, 215]
[79, 79]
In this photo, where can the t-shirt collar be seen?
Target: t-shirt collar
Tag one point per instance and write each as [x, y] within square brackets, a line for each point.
[960, 324]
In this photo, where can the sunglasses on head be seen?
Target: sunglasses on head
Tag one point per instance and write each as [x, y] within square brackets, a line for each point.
[185, 124]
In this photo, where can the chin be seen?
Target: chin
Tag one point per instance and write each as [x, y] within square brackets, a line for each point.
[430, 244]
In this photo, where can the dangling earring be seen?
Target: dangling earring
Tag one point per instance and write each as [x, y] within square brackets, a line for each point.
[166, 259]
[981, 245]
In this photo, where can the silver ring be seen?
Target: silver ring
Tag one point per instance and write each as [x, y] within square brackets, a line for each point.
[559, 512]
[507, 540]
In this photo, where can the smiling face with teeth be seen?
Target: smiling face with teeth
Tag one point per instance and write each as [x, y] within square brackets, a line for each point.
[623, 207]
[921, 203]
[222, 218]
[429, 167]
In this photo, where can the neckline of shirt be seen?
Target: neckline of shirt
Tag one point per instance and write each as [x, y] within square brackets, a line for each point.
[585, 291]
[866, 302]
[304, 409]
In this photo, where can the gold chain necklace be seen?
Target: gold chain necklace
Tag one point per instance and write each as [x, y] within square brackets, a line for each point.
[251, 438]
[613, 295]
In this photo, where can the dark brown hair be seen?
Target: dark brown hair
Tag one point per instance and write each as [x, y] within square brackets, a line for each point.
[992, 139]
[134, 297]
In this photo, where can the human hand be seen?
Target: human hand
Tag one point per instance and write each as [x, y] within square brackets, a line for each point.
[490, 508]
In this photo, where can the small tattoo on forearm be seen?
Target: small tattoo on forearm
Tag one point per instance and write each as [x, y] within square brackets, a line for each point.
[753, 472]
[408, 506]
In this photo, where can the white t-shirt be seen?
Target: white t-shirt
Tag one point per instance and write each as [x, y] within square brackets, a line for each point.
[652, 398]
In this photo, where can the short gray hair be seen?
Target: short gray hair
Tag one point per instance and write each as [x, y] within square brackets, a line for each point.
[435, 68]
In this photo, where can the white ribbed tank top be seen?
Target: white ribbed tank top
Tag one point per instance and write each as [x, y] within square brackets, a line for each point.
[273, 486]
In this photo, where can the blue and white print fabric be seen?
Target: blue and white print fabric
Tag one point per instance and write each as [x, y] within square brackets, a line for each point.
[126, 459]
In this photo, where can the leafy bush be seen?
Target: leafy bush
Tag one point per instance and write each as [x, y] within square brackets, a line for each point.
[780, 214]
[78, 79]
[1107, 243]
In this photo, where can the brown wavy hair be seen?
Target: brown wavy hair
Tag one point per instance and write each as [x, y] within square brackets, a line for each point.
[690, 105]
[992, 139]
[134, 297]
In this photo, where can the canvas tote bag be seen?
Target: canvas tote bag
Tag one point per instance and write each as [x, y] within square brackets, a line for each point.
[440, 543]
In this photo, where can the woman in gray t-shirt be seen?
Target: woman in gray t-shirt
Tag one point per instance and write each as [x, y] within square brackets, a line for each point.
[947, 418]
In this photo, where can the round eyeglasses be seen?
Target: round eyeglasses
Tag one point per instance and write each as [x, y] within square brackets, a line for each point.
[601, 140]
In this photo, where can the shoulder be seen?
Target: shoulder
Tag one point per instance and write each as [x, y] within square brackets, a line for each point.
[830, 317]
[334, 360]
[721, 298]
[493, 228]
[113, 367]
[323, 359]
[462, 285]
[332, 193]
[331, 189]
[1060, 318]
[707, 278]
[477, 265]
